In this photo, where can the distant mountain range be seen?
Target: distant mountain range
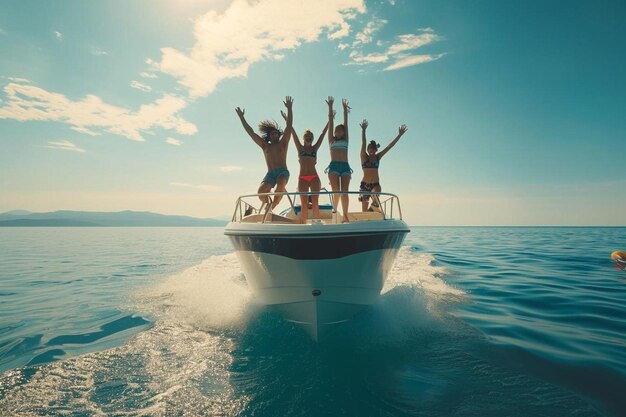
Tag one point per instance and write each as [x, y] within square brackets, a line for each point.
[66, 218]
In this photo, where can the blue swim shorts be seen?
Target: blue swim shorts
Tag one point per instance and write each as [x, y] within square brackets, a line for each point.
[272, 176]
[340, 168]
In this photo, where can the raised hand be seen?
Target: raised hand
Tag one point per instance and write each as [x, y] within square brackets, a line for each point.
[330, 102]
[282, 113]
[363, 124]
[240, 112]
[334, 113]
[346, 107]
[288, 102]
[402, 129]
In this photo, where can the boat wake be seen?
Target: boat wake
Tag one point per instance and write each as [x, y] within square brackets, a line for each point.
[418, 270]
[211, 296]
[197, 358]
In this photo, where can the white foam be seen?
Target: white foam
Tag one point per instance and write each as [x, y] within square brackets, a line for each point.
[417, 270]
[212, 295]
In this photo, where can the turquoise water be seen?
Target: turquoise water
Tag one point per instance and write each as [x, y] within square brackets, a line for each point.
[159, 322]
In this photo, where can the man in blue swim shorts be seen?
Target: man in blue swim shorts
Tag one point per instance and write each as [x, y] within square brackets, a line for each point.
[274, 149]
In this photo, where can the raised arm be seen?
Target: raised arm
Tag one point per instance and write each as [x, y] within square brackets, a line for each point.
[296, 139]
[363, 125]
[331, 115]
[256, 138]
[401, 130]
[346, 110]
[289, 129]
[317, 144]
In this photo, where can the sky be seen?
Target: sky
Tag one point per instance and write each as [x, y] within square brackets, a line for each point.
[516, 110]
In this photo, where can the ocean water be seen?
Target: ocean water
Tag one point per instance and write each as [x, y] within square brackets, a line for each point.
[159, 322]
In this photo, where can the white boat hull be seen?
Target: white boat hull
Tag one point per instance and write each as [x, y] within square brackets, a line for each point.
[319, 276]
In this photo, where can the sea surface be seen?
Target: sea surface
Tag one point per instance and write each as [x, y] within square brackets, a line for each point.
[159, 322]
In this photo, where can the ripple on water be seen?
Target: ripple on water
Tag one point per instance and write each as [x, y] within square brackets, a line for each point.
[474, 322]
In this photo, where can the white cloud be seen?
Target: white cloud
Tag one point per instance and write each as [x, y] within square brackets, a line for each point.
[368, 32]
[204, 187]
[392, 2]
[146, 74]
[229, 168]
[395, 55]
[343, 31]
[410, 41]
[228, 43]
[65, 145]
[91, 115]
[98, 52]
[84, 130]
[173, 141]
[18, 80]
[58, 35]
[409, 60]
[139, 86]
[359, 58]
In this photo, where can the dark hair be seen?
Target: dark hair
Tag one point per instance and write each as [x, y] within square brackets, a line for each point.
[266, 127]
[373, 144]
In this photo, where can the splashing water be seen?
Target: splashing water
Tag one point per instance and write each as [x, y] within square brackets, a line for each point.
[418, 270]
[211, 296]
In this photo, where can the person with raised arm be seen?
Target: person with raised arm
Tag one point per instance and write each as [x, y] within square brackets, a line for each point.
[308, 180]
[339, 172]
[274, 149]
[370, 162]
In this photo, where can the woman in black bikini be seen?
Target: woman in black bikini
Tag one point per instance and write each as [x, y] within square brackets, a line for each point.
[370, 161]
[308, 179]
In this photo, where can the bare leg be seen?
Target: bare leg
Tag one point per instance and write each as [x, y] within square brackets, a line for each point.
[364, 204]
[334, 185]
[281, 187]
[264, 188]
[303, 187]
[304, 209]
[345, 198]
[316, 185]
[375, 199]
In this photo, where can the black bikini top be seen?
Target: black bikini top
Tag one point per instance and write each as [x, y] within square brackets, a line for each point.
[369, 164]
[312, 153]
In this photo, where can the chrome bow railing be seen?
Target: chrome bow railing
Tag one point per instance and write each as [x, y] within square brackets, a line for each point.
[387, 204]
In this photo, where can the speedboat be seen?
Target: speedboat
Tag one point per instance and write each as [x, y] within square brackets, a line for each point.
[321, 272]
